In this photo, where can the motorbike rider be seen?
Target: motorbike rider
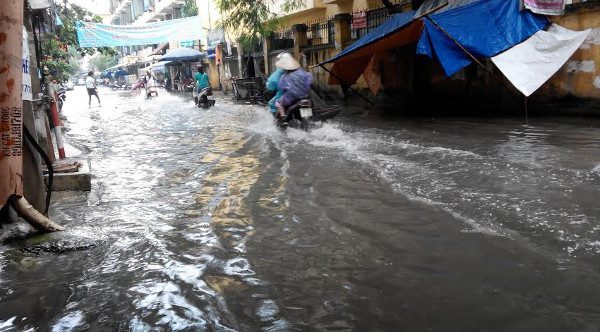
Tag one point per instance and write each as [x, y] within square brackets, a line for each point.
[150, 84]
[201, 78]
[271, 85]
[200, 82]
[295, 83]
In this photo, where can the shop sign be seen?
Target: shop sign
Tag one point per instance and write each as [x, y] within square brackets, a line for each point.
[214, 37]
[359, 20]
[545, 7]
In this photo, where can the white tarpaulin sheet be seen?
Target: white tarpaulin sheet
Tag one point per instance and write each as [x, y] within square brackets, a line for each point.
[530, 64]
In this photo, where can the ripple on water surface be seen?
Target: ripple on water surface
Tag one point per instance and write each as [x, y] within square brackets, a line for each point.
[216, 220]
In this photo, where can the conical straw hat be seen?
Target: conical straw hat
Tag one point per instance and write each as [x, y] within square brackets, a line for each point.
[287, 62]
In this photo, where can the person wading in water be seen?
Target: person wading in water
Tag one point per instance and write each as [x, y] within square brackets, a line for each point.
[90, 84]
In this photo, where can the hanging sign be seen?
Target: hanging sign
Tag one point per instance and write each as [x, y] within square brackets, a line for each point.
[545, 7]
[186, 43]
[27, 94]
[39, 4]
[214, 37]
[359, 20]
[92, 34]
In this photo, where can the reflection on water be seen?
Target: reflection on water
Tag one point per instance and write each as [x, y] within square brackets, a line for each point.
[215, 220]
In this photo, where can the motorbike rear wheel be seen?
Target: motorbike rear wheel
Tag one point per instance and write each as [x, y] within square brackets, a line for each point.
[296, 123]
[304, 124]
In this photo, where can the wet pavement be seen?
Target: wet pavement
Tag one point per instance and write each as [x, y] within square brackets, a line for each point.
[215, 220]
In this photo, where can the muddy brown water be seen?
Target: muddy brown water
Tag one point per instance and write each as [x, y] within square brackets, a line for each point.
[215, 220]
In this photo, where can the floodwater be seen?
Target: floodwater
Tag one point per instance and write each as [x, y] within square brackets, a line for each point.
[215, 220]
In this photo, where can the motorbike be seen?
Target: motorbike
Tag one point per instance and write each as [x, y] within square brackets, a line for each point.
[149, 87]
[201, 98]
[303, 112]
[121, 85]
[297, 115]
[151, 91]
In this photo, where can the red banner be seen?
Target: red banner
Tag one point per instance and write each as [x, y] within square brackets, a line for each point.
[545, 7]
[359, 20]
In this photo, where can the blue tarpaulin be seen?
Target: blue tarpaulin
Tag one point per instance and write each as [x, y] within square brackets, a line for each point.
[399, 30]
[394, 23]
[120, 73]
[440, 6]
[485, 28]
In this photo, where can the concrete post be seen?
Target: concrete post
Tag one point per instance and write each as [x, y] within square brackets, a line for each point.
[240, 57]
[33, 179]
[341, 28]
[266, 49]
[300, 41]
[11, 105]
[257, 70]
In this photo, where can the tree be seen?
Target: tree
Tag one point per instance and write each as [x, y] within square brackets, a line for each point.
[251, 19]
[60, 62]
[189, 8]
[102, 61]
[61, 49]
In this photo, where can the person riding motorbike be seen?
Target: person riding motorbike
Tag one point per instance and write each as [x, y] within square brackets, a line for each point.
[201, 82]
[150, 84]
[295, 83]
[271, 85]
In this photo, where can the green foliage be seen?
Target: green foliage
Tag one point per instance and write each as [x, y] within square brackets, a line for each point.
[251, 19]
[69, 14]
[102, 61]
[60, 63]
[60, 50]
[189, 8]
[291, 5]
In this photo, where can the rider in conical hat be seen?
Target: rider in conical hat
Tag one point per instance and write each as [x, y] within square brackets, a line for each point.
[295, 82]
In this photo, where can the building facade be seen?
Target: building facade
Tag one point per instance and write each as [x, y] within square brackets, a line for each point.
[322, 28]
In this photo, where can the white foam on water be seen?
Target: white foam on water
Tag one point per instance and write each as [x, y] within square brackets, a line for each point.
[445, 178]
[70, 322]
[267, 310]
[7, 324]
[361, 147]
[264, 124]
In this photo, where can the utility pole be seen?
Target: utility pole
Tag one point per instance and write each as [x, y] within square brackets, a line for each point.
[11, 117]
[208, 11]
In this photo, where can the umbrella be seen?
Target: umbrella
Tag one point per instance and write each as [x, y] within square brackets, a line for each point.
[159, 64]
[182, 54]
[120, 72]
[115, 66]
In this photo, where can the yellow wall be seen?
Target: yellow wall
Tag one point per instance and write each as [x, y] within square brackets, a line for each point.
[211, 70]
[580, 76]
[304, 17]
[330, 10]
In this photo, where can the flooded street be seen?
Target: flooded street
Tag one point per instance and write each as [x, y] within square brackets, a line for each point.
[216, 220]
